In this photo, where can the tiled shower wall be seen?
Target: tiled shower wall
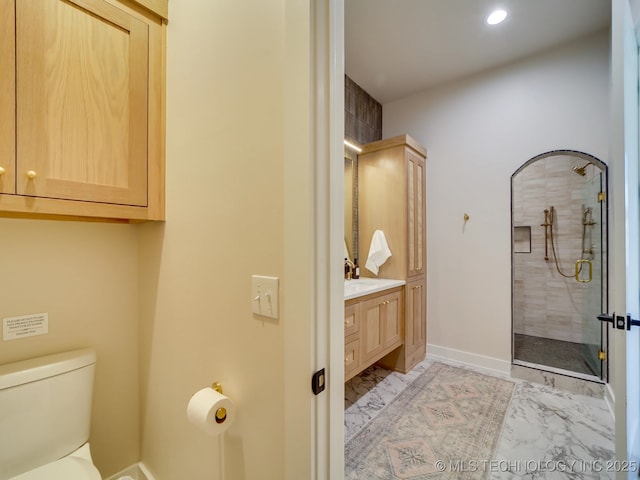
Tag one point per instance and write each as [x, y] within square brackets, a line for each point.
[545, 303]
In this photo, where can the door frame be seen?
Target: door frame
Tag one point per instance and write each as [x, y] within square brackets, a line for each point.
[327, 335]
[623, 387]
[327, 24]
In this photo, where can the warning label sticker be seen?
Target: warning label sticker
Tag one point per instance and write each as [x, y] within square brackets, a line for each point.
[25, 326]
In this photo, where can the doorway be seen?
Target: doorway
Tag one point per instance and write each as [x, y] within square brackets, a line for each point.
[559, 263]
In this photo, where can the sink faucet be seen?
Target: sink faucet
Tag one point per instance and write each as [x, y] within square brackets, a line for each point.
[348, 269]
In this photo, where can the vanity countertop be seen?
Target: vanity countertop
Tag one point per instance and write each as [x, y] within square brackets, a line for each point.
[366, 286]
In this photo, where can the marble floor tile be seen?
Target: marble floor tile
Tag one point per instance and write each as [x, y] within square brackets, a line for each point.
[370, 391]
[547, 433]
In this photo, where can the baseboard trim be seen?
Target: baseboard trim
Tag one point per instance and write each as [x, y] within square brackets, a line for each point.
[137, 471]
[472, 359]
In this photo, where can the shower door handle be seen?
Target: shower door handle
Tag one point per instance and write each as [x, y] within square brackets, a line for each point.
[603, 317]
[620, 322]
[631, 322]
[579, 264]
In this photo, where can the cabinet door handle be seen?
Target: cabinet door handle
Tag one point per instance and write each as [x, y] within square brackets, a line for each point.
[31, 174]
[2, 171]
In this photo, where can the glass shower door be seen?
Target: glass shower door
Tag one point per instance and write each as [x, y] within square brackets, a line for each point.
[594, 291]
[559, 264]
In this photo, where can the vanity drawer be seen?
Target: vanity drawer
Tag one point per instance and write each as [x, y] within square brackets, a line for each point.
[351, 319]
[351, 357]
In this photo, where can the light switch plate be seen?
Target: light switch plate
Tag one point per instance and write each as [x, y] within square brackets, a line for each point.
[264, 295]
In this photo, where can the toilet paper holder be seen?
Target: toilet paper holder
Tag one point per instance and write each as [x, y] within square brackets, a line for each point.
[217, 386]
[221, 413]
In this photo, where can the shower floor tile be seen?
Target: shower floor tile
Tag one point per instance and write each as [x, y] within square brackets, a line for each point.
[552, 353]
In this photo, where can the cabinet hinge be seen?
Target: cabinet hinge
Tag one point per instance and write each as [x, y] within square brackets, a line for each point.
[602, 196]
[602, 355]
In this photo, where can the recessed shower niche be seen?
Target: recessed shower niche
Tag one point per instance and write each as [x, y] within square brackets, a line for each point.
[559, 264]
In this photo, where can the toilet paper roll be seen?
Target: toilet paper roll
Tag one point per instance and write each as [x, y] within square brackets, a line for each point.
[210, 411]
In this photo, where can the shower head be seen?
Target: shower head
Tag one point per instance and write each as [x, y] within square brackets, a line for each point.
[581, 170]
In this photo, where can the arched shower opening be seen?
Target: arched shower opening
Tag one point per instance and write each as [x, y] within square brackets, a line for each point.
[559, 264]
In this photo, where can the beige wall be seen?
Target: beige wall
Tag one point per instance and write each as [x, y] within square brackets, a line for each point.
[85, 276]
[167, 305]
[477, 133]
[237, 204]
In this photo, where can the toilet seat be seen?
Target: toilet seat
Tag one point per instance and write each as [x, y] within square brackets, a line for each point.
[69, 468]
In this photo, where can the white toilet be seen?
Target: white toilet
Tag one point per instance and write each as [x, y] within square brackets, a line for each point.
[45, 414]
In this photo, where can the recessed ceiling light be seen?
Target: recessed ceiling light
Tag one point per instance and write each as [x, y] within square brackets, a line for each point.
[496, 17]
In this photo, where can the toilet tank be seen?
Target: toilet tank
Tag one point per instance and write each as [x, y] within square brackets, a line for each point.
[45, 409]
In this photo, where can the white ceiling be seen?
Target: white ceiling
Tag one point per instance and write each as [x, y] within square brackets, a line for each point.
[394, 48]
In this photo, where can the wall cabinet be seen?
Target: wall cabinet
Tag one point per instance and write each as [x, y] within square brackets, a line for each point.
[374, 326]
[82, 85]
[392, 198]
[416, 227]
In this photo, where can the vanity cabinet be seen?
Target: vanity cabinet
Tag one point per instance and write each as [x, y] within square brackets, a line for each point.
[374, 326]
[392, 198]
[351, 339]
[381, 326]
[82, 86]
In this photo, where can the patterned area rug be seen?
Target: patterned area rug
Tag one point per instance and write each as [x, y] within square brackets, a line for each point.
[444, 425]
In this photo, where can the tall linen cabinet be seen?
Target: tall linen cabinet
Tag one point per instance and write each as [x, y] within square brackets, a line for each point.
[392, 198]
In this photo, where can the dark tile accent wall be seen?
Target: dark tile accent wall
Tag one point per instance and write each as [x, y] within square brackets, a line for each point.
[362, 124]
[362, 114]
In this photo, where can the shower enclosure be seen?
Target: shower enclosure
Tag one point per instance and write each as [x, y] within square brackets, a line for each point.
[559, 264]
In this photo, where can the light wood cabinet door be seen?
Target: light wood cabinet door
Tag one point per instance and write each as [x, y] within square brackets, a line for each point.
[392, 314]
[7, 96]
[415, 317]
[81, 102]
[372, 335]
[381, 325]
[416, 241]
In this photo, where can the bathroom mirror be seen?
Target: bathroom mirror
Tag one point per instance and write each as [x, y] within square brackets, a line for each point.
[348, 207]
[351, 203]
[559, 263]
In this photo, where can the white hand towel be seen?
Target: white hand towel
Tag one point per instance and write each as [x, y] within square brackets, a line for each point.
[378, 252]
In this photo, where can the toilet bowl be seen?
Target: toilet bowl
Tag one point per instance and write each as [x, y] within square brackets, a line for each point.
[45, 414]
